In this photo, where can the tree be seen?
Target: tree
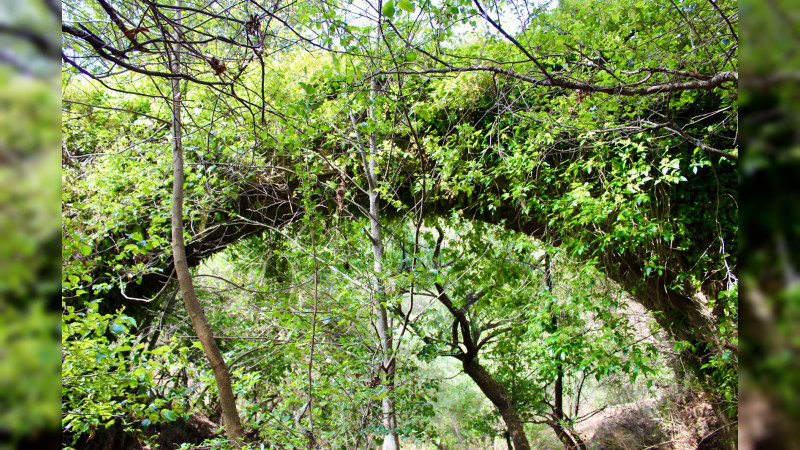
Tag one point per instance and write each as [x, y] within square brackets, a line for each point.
[683, 302]
[368, 154]
[501, 328]
[233, 424]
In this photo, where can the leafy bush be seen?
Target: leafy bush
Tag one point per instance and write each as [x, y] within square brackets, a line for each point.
[108, 375]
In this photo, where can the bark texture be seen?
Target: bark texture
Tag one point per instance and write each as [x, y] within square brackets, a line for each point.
[498, 395]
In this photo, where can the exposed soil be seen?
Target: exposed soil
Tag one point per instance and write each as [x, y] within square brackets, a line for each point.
[684, 421]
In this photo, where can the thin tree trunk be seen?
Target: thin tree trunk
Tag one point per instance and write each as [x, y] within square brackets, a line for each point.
[312, 444]
[568, 437]
[230, 415]
[558, 390]
[391, 440]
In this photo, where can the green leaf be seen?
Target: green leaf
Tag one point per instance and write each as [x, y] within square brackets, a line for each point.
[169, 415]
[406, 5]
[411, 56]
[117, 328]
[160, 350]
[388, 9]
[310, 90]
[132, 248]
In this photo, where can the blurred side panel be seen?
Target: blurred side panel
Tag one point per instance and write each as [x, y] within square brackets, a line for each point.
[30, 184]
[770, 224]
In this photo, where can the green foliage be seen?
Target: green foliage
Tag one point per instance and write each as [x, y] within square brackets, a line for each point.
[598, 184]
[28, 355]
[29, 221]
[110, 377]
[591, 337]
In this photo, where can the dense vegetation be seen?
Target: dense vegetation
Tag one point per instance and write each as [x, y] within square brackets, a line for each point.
[395, 222]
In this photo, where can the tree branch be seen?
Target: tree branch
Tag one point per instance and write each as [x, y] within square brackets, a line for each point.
[696, 84]
[674, 129]
[105, 51]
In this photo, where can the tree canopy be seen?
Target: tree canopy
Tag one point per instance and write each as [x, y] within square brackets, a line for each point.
[368, 189]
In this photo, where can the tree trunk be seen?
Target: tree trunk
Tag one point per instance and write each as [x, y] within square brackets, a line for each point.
[233, 425]
[391, 440]
[568, 436]
[565, 433]
[497, 393]
[570, 439]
